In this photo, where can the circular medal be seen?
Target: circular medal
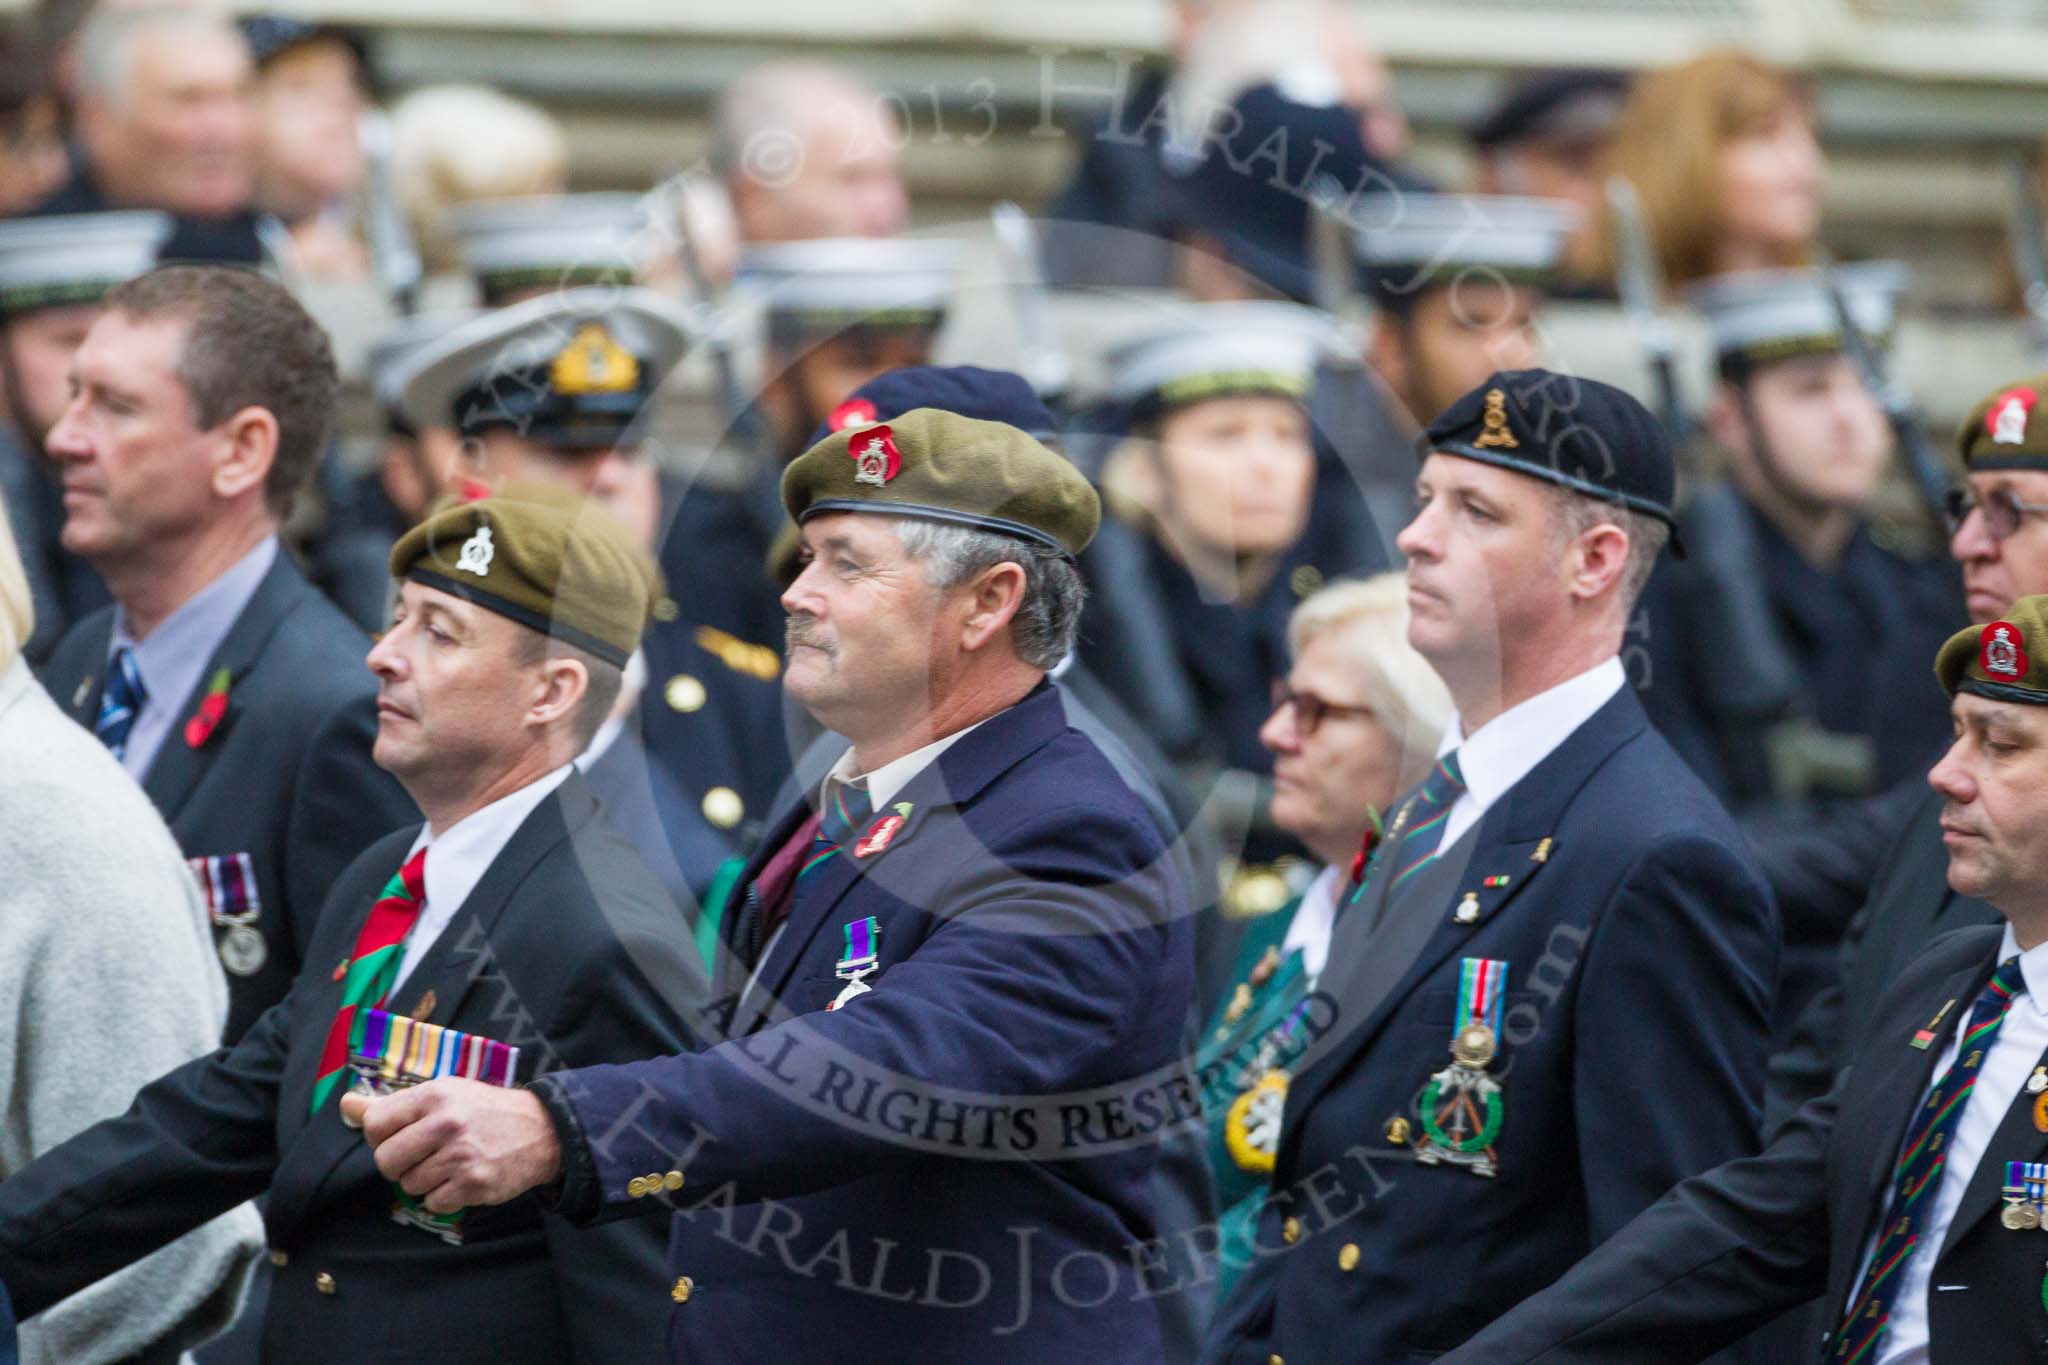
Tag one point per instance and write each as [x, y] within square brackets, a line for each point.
[2020, 1217]
[1251, 1129]
[1474, 1046]
[242, 950]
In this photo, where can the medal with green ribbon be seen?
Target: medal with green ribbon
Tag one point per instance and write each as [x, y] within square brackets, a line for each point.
[1461, 1107]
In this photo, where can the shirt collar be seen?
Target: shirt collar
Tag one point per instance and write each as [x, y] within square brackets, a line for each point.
[1501, 752]
[2033, 967]
[458, 856]
[175, 654]
[892, 777]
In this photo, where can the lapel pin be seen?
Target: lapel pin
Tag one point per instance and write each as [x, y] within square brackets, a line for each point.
[2041, 1113]
[84, 691]
[340, 969]
[1468, 909]
[425, 1006]
[1498, 880]
[2038, 1082]
[1925, 1037]
[1542, 853]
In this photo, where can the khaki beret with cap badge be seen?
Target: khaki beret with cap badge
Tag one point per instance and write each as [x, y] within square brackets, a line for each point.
[1998, 660]
[940, 466]
[545, 557]
[2007, 429]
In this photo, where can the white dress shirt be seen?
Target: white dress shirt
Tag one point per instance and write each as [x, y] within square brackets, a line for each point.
[1502, 752]
[458, 857]
[892, 777]
[1313, 921]
[2014, 1053]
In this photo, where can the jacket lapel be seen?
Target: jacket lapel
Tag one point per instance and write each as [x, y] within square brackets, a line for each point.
[1890, 1077]
[321, 1148]
[178, 766]
[1371, 975]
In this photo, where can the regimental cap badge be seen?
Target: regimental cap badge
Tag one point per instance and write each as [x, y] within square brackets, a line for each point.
[594, 362]
[477, 552]
[2007, 418]
[2000, 652]
[1496, 434]
[874, 456]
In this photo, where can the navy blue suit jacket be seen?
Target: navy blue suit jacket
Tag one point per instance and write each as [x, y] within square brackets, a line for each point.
[1642, 950]
[955, 1165]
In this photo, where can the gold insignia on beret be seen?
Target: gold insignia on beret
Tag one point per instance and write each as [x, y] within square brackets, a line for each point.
[756, 661]
[593, 362]
[1496, 433]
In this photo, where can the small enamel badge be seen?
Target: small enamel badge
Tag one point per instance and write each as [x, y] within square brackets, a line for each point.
[874, 456]
[477, 553]
[2000, 652]
[1924, 1039]
[854, 412]
[2007, 419]
[881, 832]
[1542, 853]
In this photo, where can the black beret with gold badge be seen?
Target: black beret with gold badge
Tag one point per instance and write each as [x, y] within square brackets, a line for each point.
[2007, 429]
[940, 466]
[1998, 659]
[551, 561]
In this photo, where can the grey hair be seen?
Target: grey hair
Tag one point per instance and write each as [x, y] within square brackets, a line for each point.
[1050, 614]
[771, 98]
[1575, 513]
[600, 693]
[106, 42]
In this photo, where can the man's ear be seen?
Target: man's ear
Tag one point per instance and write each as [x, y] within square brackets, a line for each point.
[1602, 560]
[558, 689]
[1723, 419]
[247, 452]
[1387, 355]
[994, 597]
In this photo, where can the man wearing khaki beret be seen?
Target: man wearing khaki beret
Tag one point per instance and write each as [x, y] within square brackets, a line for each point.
[956, 987]
[510, 935]
[1910, 1199]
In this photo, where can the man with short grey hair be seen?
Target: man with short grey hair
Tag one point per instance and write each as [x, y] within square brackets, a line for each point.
[980, 927]
[164, 122]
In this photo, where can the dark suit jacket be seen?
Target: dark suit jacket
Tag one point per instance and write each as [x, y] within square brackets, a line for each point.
[1730, 1248]
[1910, 905]
[1641, 945]
[286, 777]
[908, 1172]
[566, 948]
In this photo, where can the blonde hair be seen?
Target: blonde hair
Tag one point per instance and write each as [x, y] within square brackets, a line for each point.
[17, 610]
[456, 144]
[1673, 131]
[1371, 618]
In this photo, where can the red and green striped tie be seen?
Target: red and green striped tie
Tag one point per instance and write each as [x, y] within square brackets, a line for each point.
[1919, 1171]
[372, 968]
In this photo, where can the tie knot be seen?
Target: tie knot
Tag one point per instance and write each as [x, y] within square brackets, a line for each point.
[413, 876]
[2007, 982]
[847, 808]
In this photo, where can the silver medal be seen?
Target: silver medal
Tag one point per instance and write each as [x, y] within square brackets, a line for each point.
[242, 950]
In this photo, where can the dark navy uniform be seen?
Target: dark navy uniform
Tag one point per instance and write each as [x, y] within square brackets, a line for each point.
[1021, 956]
[1504, 1017]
